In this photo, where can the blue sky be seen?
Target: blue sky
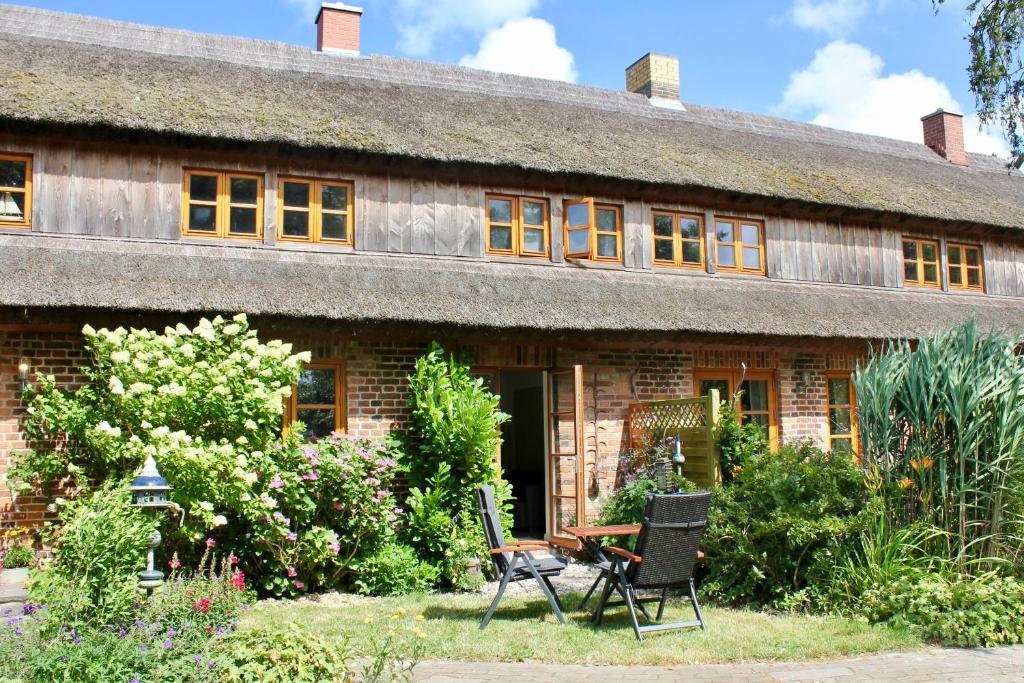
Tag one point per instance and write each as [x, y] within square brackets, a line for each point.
[873, 66]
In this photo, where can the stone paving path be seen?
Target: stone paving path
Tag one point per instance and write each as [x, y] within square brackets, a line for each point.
[940, 665]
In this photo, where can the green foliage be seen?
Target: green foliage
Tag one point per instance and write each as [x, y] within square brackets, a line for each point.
[453, 437]
[626, 506]
[782, 514]
[17, 556]
[393, 569]
[99, 546]
[962, 611]
[737, 441]
[943, 435]
[282, 653]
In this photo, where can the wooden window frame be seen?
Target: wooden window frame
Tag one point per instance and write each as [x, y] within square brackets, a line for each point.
[678, 240]
[517, 225]
[340, 406]
[732, 377]
[27, 190]
[919, 260]
[316, 211]
[854, 435]
[222, 205]
[593, 233]
[738, 244]
[963, 267]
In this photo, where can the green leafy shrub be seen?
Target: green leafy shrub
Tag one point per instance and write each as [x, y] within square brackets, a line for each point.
[963, 611]
[626, 505]
[282, 653]
[782, 514]
[738, 442]
[453, 437]
[17, 556]
[99, 546]
[393, 570]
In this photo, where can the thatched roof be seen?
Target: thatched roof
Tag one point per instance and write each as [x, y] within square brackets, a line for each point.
[58, 69]
[40, 272]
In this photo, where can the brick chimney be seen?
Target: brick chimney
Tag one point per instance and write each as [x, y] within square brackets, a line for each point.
[337, 28]
[944, 133]
[657, 77]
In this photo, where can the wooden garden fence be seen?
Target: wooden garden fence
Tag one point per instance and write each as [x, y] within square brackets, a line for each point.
[692, 421]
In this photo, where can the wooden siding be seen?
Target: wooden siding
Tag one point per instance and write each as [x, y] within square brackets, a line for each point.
[136, 193]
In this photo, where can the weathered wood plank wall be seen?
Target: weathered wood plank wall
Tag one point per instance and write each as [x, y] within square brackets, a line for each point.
[137, 194]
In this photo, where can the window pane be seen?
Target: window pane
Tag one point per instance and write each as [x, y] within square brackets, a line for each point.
[533, 213]
[973, 257]
[296, 194]
[500, 210]
[955, 276]
[296, 224]
[202, 188]
[607, 245]
[842, 444]
[533, 240]
[839, 421]
[752, 258]
[726, 255]
[501, 238]
[316, 386]
[931, 273]
[910, 271]
[663, 226]
[243, 190]
[755, 395]
[334, 226]
[839, 391]
[706, 385]
[12, 173]
[606, 220]
[579, 241]
[757, 418]
[929, 252]
[909, 250]
[319, 422]
[202, 218]
[691, 252]
[242, 221]
[690, 228]
[725, 233]
[974, 277]
[953, 255]
[334, 197]
[663, 251]
[12, 206]
[578, 215]
[751, 234]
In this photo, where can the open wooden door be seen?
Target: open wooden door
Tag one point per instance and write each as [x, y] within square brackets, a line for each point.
[563, 396]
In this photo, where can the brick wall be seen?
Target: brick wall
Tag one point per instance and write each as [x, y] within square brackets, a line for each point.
[338, 29]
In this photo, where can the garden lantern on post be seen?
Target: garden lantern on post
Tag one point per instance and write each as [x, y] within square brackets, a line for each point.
[678, 459]
[150, 490]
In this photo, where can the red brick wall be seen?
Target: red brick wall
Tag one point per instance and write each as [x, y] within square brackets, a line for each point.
[338, 30]
[944, 133]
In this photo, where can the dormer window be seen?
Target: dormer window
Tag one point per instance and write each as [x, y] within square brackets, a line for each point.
[517, 226]
[739, 245]
[593, 231]
[921, 263]
[222, 204]
[965, 269]
[678, 239]
[312, 210]
[15, 190]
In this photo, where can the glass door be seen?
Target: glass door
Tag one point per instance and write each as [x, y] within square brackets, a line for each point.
[563, 404]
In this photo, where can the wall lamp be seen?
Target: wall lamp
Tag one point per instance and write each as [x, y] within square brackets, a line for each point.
[23, 370]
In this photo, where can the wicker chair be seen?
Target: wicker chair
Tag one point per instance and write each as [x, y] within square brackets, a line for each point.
[663, 558]
[514, 560]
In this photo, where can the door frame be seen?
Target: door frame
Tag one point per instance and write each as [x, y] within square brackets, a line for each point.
[579, 453]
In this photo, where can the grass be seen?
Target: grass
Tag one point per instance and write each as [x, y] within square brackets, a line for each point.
[525, 629]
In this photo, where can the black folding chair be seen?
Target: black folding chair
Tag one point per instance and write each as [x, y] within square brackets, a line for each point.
[514, 560]
[663, 558]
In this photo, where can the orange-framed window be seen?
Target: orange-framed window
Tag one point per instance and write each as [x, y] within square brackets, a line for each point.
[222, 204]
[843, 430]
[739, 245]
[315, 210]
[678, 239]
[517, 226]
[592, 231]
[757, 402]
[15, 190]
[318, 399]
[921, 262]
[964, 264]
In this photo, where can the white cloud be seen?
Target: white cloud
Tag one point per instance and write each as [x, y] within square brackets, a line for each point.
[844, 87]
[421, 22]
[305, 10]
[526, 47]
[835, 17]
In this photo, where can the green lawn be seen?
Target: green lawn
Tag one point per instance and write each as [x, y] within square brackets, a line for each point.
[525, 629]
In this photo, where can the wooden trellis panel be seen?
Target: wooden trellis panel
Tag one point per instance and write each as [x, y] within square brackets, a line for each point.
[693, 421]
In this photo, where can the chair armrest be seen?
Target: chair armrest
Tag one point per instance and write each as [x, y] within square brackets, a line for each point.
[515, 547]
[700, 554]
[624, 553]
